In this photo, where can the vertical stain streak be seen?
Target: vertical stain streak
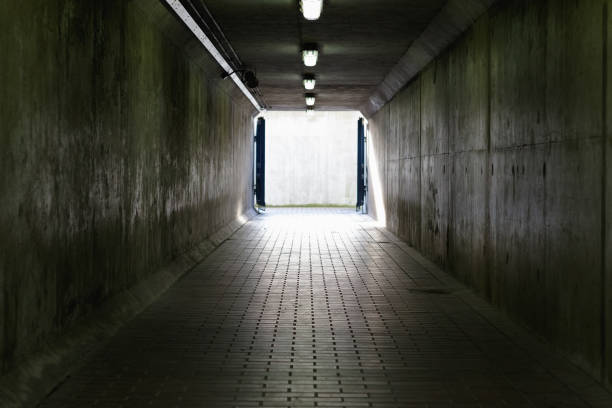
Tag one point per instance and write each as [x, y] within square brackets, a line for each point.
[604, 186]
[487, 204]
[450, 156]
[420, 152]
[391, 205]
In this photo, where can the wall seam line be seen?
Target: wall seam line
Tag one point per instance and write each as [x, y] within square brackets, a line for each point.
[450, 158]
[604, 126]
[489, 172]
[420, 237]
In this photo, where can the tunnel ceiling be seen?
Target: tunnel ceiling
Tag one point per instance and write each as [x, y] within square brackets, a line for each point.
[359, 42]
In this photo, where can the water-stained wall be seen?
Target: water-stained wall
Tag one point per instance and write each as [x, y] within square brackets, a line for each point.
[121, 148]
[495, 162]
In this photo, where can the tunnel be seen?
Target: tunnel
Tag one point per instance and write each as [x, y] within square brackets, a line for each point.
[144, 261]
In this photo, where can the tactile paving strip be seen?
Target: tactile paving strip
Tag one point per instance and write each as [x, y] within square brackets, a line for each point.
[306, 308]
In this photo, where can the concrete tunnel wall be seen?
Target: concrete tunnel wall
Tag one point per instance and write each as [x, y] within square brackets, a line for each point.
[496, 163]
[121, 148]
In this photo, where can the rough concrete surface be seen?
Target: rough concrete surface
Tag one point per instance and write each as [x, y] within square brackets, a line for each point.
[119, 153]
[454, 17]
[513, 195]
[42, 371]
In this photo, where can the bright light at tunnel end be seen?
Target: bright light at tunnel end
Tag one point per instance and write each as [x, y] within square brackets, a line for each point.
[376, 191]
[311, 9]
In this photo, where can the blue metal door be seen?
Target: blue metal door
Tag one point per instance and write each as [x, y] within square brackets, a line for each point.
[361, 176]
[260, 163]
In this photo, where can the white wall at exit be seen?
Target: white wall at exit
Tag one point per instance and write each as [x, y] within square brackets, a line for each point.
[311, 159]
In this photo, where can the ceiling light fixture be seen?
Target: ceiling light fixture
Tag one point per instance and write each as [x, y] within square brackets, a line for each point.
[309, 82]
[310, 110]
[248, 77]
[310, 54]
[310, 99]
[311, 9]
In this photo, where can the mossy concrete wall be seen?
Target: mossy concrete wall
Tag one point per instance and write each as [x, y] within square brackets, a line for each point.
[120, 149]
[495, 163]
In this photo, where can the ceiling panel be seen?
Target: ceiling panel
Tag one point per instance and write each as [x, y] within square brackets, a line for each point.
[360, 41]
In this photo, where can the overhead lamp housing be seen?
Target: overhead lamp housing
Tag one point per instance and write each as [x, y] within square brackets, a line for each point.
[310, 99]
[248, 77]
[310, 55]
[309, 82]
[311, 9]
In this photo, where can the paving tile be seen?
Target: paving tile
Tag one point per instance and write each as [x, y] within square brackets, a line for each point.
[319, 308]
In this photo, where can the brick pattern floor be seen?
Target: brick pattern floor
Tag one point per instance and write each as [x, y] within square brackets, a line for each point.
[307, 308]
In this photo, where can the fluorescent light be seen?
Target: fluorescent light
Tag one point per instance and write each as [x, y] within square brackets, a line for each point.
[311, 9]
[310, 111]
[309, 83]
[310, 57]
[205, 41]
[310, 99]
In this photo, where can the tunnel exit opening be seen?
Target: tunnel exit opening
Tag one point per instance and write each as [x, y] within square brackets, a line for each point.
[310, 159]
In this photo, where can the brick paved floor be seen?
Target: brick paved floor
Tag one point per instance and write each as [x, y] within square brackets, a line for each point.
[317, 307]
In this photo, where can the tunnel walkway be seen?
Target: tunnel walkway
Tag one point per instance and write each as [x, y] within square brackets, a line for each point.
[318, 307]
